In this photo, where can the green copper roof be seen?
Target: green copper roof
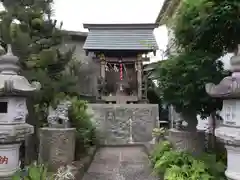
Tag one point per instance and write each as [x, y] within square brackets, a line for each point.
[120, 37]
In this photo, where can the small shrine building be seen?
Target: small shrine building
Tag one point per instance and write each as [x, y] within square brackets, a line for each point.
[120, 50]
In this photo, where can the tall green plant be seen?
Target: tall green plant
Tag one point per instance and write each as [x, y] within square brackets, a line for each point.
[208, 25]
[40, 172]
[204, 31]
[197, 170]
[159, 150]
[36, 39]
[182, 80]
[33, 172]
[81, 120]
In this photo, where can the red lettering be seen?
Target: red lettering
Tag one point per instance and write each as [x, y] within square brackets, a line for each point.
[3, 160]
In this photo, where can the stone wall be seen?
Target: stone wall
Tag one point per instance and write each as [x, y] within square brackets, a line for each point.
[113, 125]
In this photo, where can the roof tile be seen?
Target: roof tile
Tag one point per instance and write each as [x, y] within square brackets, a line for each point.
[120, 38]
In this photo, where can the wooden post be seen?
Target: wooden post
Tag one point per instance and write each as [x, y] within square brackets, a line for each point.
[103, 73]
[139, 76]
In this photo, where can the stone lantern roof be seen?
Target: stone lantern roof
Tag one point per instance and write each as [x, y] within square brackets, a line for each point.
[11, 83]
[229, 87]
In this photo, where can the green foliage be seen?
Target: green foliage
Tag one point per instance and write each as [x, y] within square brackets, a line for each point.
[214, 166]
[33, 172]
[27, 25]
[204, 31]
[208, 25]
[40, 172]
[182, 80]
[197, 170]
[81, 120]
[159, 151]
[182, 165]
[170, 158]
[156, 132]
[221, 155]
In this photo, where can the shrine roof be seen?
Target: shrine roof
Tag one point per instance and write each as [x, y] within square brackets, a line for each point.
[76, 33]
[120, 37]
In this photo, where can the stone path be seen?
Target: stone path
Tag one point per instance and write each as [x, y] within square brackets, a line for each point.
[120, 163]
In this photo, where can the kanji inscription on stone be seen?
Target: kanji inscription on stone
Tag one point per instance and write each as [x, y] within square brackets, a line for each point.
[3, 160]
[229, 110]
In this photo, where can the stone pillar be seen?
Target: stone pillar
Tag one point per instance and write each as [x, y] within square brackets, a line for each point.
[139, 76]
[229, 131]
[103, 70]
[13, 112]
[57, 146]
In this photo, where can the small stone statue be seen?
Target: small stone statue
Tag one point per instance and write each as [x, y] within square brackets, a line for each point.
[180, 124]
[59, 116]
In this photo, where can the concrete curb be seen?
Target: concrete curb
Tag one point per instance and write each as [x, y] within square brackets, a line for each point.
[83, 164]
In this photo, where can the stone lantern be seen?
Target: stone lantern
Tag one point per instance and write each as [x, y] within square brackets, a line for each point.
[13, 112]
[229, 90]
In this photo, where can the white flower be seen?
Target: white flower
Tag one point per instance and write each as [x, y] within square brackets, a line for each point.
[65, 173]
[184, 123]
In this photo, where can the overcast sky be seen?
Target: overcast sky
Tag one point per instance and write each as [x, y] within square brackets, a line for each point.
[74, 13]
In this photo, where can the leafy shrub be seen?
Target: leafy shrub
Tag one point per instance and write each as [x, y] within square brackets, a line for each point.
[159, 151]
[182, 165]
[215, 167]
[177, 74]
[40, 172]
[195, 171]
[198, 21]
[204, 168]
[33, 172]
[158, 132]
[81, 120]
[170, 158]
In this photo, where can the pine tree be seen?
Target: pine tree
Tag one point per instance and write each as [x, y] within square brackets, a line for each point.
[35, 38]
[28, 26]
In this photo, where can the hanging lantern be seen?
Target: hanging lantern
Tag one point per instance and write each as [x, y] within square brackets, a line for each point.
[121, 71]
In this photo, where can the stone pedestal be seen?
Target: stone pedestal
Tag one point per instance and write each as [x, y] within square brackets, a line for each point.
[233, 169]
[231, 138]
[187, 141]
[57, 146]
[229, 90]
[9, 159]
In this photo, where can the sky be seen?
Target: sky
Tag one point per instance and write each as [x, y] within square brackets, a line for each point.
[74, 13]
